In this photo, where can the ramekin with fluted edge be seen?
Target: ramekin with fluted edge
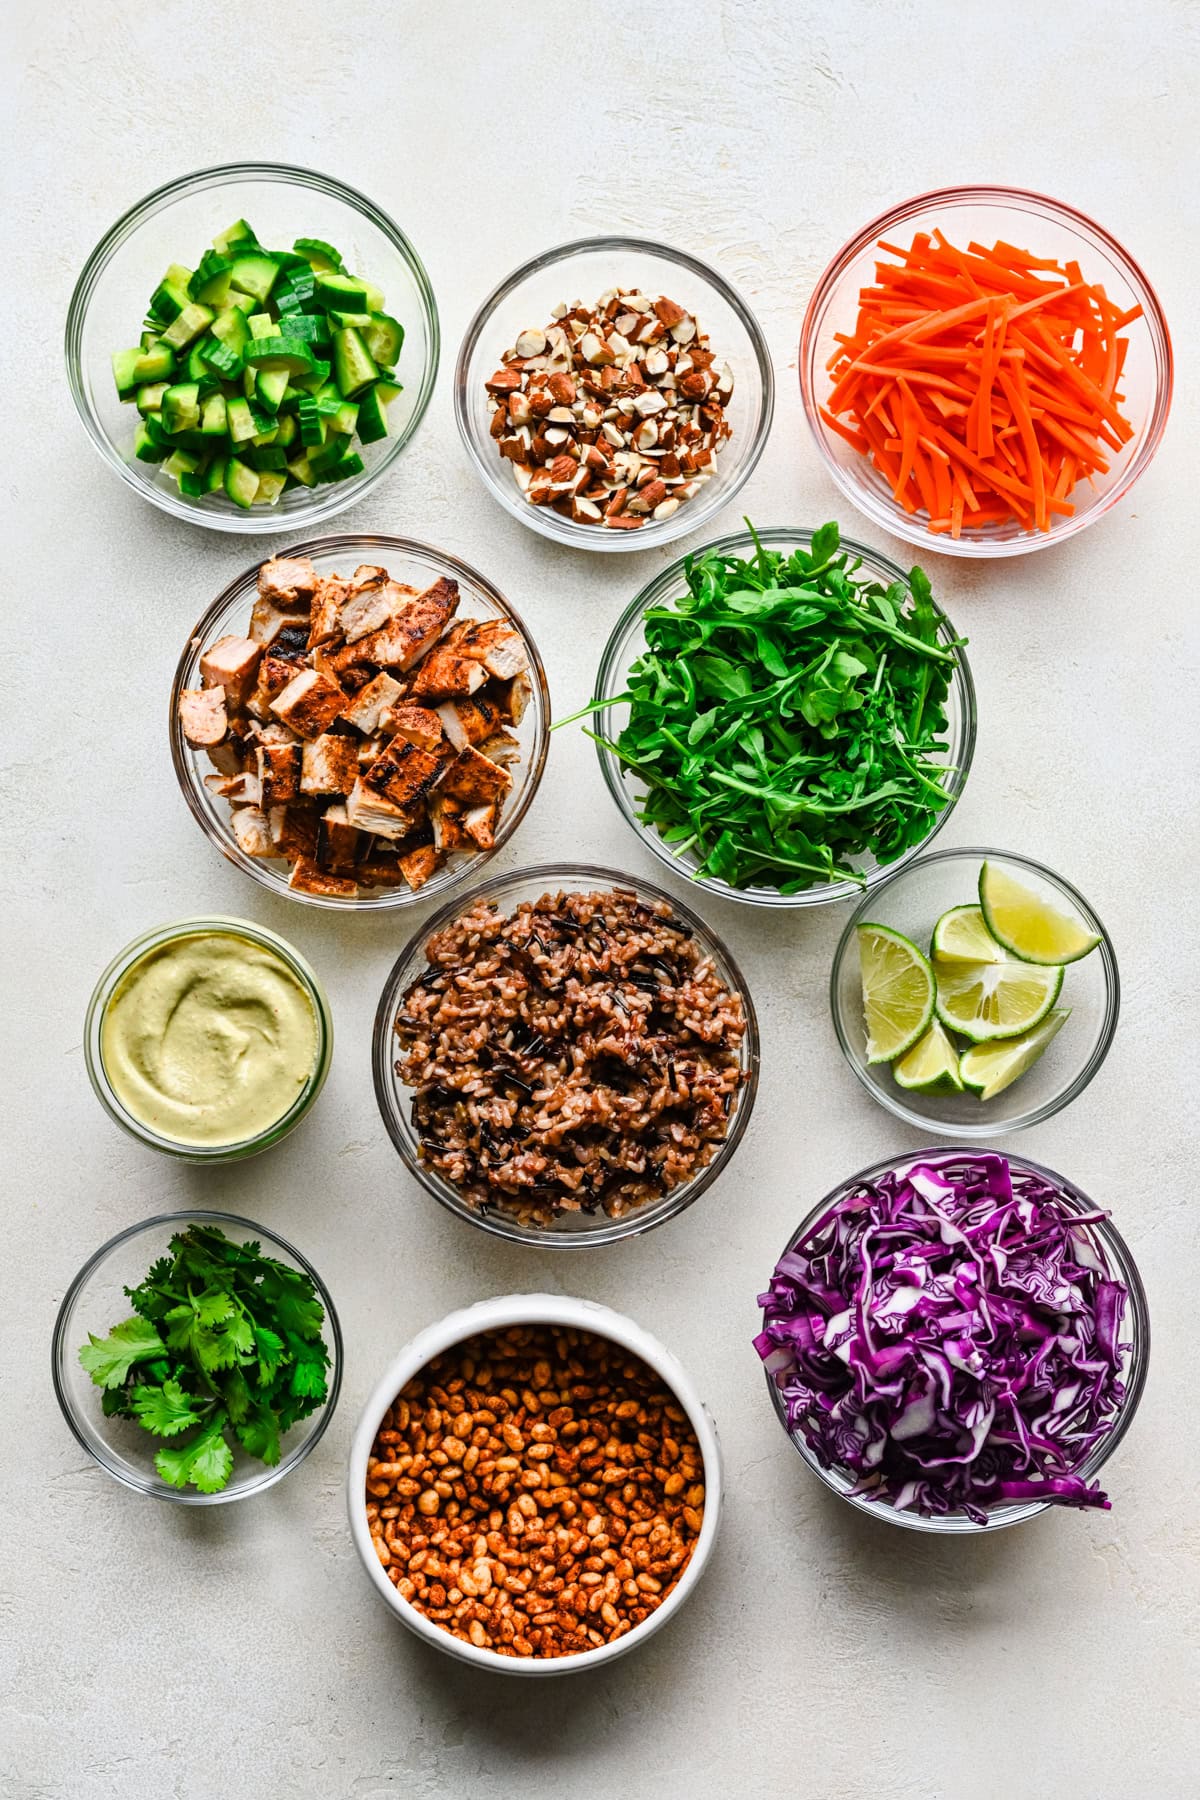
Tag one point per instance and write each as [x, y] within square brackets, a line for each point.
[497, 1315]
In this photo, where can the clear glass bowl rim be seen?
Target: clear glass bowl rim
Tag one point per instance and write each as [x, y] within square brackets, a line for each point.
[226, 924]
[573, 876]
[333, 544]
[876, 562]
[1137, 1324]
[891, 517]
[543, 519]
[894, 1103]
[271, 1240]
[338, 495]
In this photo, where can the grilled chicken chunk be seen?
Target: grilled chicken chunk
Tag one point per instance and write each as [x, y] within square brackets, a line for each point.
[203, 716]
[369, 810]
[475, 779]
[287, 581]
[232, 664]
[309, 703]
[330, 765]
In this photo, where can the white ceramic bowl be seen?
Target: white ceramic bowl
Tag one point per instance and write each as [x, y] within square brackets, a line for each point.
[494, 1315]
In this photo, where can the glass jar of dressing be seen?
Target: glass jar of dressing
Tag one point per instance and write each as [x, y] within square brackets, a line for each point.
[208, 1039]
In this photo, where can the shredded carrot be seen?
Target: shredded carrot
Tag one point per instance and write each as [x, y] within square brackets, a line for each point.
[983, 384]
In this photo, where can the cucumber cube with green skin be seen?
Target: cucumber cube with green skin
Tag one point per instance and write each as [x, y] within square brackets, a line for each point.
[328, 454]
[146, 446]
[172, 293]
[270, 487]
[384, 338]
[287, 429]
[221, 360]
[241, 424]
[255, 274]
[181, 407]
[124, 368]
[341, 293]
[156, 363]
[239, 233]
[353, 365]
[318, 254]
[213, 416]
[241, 483]
[311, 422]
[182, 462]
[309, 384]
[343, 470]
[269, 388]
[230, 327]
[189, 324]
[266, 456]
[266, 436]
[287, 354]
[214, 475]
[388, 391]
[310, 328]
[372, 416]
[192, 484]
[358, 320]
[211, 282]
[149, 397]
[262, 325]
[300, 471]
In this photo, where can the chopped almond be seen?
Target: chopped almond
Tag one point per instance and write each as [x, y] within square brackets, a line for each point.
[307, 877]
[444, 675]
[231, 663]
[479, 823]
[278, 772]
[475, 778]
[371, 811]
[330, 765]
[287, 581]
[371, 702]
[415, 724]
[404, 773]
[468, 721]
[252, 832]
[310, 703]
[203, 716]
[293, 829]
[418, 865]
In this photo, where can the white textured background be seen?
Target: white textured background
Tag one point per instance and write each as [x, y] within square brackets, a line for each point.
[150, 1651]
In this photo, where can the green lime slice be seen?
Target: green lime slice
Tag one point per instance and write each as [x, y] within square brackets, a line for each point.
[1028, 926]
[961, 935]
[898, 991]
[987, 1069]
[931, 1066]
[982, 1001]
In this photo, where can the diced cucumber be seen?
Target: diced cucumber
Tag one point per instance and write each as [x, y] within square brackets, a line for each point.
[240, 419]
[342, 471]
[317, 379]
[335, 292]
[266, 436]
[288, 354]
[171, 295]
[328, 454]
[384, 338]
[183, 462]
[296, 291]
[387, 391]
[312, 424]
[181, 407]
[193, 484]
[149, 398]
[214, 475]
[221, 359]
[286, 430]
[372, 416]
[196, 365]
[146, 446]
[318, 253]
[270, 385]
[262, 325]
[353, 365]
[211, 282]
[239, 233]
[156, 363]
[241, 483]
[309, 328]
[255, 274]
[300, 471]
[231, 328]
[345, 418]
[270, 487]
[214, 416]
[124, 368]
[358, 321]
[188, 324]
[266, 456]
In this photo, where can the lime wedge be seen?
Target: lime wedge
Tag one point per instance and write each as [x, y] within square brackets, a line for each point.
[931, 1066]
[988, 1069]
[982, 1001]
[1027, 925]
[898, 991]
[961, 935]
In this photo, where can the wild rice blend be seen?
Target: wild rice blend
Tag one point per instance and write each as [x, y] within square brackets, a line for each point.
[582, 1055]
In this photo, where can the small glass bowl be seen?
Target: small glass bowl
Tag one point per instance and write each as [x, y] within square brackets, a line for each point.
[912, 902]
[1047, 228]
[584, 270]
[573, 1231]
[174, 223]
[153, 940]
[419, 565]
[95, 1302]
[627, 642]
[1136, 1327]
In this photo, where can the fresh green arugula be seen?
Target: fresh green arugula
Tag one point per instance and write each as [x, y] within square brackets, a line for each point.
[788, 719]
[224, 1344]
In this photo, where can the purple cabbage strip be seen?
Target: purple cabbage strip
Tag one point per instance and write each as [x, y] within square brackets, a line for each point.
[950, 1338]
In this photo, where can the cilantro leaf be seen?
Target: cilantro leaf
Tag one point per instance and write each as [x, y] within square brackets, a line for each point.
[109, 1360]
[258, 1433]
[206, 1462]
[270, 1348]
[165, 1410]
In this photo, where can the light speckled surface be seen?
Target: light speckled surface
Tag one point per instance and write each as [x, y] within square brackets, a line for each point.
[148, 1651]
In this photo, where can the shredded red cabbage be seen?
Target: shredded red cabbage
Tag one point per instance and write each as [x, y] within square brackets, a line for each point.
[948, 1336]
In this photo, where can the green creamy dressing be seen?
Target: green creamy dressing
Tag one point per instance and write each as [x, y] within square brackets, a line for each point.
[209, 1039]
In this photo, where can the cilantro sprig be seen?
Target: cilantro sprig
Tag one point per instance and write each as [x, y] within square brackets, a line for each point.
[788, 719]
[224, 1345]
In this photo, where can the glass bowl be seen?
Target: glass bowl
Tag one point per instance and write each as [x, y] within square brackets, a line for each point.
[583, 270]
[419, 565]
[1136, 1326]
[627, 642]
[497, 1315]
[174, 223]
[573, 1231]
[95, 1302]
[153, 940]
[1047, 228]
[912, 902]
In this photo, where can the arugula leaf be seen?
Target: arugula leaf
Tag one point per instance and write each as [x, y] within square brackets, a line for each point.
[165, 1410]
[109, 1360]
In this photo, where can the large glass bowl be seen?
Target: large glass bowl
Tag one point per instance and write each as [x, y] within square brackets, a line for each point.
[174, 224]
[584, 270]
[419, 565]
[627, 642]
[1104, 1238]
[95, 1302]
[1047, 228]
[912, 902]
[574, 1231]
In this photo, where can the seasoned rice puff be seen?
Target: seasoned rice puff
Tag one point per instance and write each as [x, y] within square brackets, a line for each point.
[359, 728]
